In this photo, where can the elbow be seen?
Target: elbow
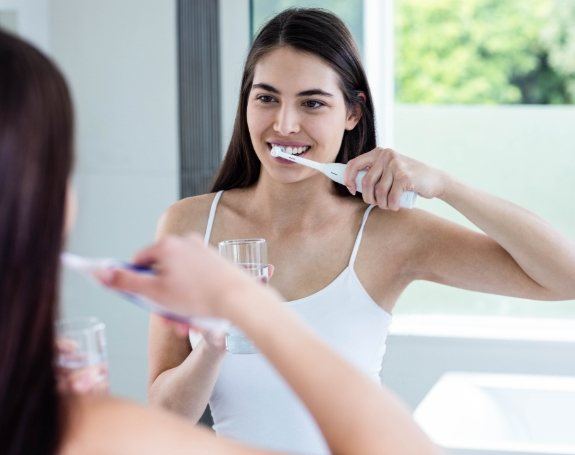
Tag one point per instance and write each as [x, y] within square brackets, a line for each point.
[558, 293]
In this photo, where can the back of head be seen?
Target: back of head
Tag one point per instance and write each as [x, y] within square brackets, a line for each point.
[317, 32]
[35, 163]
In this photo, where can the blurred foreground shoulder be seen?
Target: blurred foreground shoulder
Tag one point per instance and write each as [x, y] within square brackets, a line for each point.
[109, 425]
[187, 215]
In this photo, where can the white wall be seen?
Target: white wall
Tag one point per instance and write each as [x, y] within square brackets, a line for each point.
[120, 60]
[31, 20]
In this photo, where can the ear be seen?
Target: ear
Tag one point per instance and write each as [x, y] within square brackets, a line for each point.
[354, 115]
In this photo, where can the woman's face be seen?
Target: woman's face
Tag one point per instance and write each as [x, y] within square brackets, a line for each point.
[295, 101]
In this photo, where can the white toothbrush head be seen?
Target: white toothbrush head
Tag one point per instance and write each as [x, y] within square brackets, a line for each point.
[276, 150]
[279, 152]
[85, 265]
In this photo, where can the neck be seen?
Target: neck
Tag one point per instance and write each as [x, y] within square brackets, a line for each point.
[302, 204]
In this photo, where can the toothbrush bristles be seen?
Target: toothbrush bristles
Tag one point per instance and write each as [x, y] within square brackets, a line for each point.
[276, 149]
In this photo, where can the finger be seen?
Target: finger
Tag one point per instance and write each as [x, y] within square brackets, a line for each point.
[217, 340]
[354, 166]
[382, 189]
[66, 346]
[369, 181]
[180, 328]
[128, 281]
[149, 255]
[103, 275]
[81, 386]
[271, 269]
[395, 193]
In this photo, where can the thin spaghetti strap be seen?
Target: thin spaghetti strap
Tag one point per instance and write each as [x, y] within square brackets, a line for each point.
[212, 216]
[359, 235]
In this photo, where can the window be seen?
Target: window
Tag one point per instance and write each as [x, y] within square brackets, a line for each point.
[484, 89]
[350, 11]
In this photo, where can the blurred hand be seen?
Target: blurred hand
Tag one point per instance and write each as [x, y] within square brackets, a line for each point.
[214, 341]
[190, 278]
[92, 379]
[389, 174]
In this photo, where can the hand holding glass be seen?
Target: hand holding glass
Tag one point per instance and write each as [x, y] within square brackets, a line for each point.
[82, 361]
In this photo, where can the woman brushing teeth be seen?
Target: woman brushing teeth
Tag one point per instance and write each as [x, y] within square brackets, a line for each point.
[338, 262]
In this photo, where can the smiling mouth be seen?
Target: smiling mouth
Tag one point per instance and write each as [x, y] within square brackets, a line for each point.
[291, 150]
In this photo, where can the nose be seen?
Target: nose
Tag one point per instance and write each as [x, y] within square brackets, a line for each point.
[287, 121]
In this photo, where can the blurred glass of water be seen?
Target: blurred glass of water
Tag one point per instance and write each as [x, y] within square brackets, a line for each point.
[82, 357]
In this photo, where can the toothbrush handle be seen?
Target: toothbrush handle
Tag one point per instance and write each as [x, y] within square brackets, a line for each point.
[335, 172]
[406, 201]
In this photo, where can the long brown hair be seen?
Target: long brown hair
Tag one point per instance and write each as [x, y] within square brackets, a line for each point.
[35, 162]
[320, 33]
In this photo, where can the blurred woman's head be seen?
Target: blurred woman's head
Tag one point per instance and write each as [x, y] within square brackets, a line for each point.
[36, 142]
[304, 35]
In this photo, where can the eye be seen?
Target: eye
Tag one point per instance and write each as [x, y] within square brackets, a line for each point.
[313, 104]
[265, 99]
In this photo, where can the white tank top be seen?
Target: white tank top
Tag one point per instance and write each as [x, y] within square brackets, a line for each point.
[252, 403]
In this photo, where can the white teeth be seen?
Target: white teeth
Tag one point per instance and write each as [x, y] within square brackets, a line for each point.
[292, 150]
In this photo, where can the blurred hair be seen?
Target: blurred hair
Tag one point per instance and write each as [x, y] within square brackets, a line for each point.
[36, 136]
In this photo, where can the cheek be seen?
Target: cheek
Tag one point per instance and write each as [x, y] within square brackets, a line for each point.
[256, 120]
[328, 131]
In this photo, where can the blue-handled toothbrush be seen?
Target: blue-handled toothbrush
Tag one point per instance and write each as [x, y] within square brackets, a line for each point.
[87, 267]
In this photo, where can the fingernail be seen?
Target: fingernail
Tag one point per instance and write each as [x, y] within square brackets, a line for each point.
[105, 276]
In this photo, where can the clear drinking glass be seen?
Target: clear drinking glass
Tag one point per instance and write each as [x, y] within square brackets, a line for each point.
[82, 359]
[252, 256]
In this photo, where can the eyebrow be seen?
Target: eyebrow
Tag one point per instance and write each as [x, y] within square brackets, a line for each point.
[311, 92]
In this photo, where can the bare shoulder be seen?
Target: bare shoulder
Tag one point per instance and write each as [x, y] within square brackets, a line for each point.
[417, 238]
[413, 228]
[115, 426]
[394, 248]
[186, 216]
[405, 237]
[385, 227]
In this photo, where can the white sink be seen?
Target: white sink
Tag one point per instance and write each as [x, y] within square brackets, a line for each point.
[475, 413]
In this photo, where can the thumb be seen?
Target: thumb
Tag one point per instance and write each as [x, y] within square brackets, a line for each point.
[129, 281]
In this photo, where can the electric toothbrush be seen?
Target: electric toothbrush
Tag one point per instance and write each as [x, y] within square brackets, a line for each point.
[335, 171]
[89, 267]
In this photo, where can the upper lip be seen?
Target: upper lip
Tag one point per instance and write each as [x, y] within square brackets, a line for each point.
[289, 143]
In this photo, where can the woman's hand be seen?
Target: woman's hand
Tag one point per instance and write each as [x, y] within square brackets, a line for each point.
[89, 379]
[190, 278]
[216, 342]
[389, 174]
